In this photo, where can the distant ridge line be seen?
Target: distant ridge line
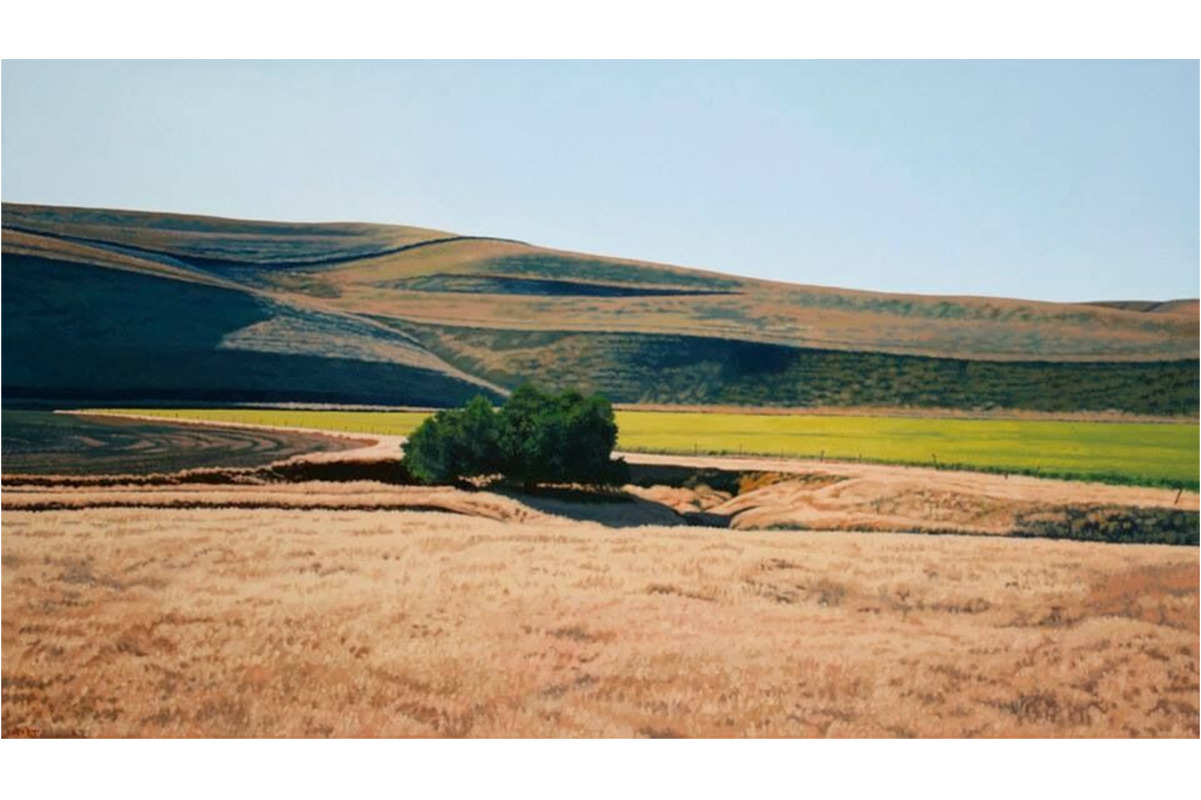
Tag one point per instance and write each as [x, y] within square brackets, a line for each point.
[1145, 306]
[203, 261]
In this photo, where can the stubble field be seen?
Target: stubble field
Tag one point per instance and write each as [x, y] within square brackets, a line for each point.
[234, 622]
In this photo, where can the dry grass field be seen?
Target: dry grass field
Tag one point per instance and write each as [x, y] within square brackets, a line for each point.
[309, 623]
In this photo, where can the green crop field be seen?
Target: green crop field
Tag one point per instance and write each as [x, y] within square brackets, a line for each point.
[1145, 453]
[393, 423]
[1142, 453]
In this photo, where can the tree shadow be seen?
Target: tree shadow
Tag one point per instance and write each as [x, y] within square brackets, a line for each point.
[613, 509]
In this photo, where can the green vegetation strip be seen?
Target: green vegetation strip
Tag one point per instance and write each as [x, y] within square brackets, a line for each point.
[1135, 453]
[389, 423]
[1143, 453]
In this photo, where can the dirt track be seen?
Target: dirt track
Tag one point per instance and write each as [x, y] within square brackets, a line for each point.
[1013, 487]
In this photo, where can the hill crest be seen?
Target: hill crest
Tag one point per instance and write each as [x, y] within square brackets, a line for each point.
[489, 312]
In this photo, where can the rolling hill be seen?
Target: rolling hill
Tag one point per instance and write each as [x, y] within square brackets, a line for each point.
[101, 305]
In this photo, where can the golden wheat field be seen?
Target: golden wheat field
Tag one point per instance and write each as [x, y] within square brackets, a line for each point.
[311, 623]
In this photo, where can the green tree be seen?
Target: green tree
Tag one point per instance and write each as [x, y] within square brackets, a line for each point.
[535, 438]
[527, 436]
[590, 436]
[456, 444]
[563, 438]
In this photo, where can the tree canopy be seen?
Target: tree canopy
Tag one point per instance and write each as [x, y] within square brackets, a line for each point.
[535, 438]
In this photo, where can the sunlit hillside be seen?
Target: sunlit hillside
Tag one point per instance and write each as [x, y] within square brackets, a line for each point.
[105, 304]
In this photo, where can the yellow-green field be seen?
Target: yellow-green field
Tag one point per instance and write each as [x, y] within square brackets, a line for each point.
[1145, 453]
[391, 423]
[1125, 452]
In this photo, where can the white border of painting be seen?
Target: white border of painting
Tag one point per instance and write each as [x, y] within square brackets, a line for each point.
[614, 769]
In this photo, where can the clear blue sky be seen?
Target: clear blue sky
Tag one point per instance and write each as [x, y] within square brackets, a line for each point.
[1048, 180]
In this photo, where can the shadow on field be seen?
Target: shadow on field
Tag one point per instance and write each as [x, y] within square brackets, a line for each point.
[389, 472]
[611, 509]
[383, 471]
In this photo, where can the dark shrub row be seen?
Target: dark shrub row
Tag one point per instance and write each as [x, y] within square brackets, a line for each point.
[534, 438]
[1129, 525]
